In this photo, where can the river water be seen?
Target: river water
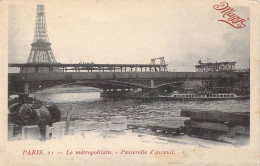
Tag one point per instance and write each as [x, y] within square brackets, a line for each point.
[86, 103]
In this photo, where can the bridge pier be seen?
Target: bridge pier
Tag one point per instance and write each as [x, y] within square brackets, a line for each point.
[152, 83]
[26, 88]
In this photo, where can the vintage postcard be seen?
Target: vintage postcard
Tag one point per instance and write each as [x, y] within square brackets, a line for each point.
[130, 82]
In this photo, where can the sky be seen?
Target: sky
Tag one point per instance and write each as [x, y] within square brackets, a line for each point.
[131, 32]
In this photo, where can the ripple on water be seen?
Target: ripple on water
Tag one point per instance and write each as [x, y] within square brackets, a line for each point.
[89, 105]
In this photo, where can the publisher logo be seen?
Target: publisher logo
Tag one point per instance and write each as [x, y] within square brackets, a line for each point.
[229, 16]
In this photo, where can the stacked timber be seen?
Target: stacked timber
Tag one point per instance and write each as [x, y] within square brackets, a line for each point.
[235, 118]
[217, 124]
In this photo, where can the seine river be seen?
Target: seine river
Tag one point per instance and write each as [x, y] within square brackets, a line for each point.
[86, 103]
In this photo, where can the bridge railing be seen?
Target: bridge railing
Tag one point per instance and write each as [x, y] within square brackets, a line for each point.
[57, 67]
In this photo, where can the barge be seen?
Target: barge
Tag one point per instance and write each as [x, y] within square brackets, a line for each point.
[230, 127]
[193, 96]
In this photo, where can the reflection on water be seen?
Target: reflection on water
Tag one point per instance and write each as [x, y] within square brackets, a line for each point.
[68, 97]
[63, 94]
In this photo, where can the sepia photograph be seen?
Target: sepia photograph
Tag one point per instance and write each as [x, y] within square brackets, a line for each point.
[124, 82]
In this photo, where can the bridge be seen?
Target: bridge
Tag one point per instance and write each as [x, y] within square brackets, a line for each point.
[109, 77]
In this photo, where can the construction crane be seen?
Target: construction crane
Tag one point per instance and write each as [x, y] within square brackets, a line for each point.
[163, 65]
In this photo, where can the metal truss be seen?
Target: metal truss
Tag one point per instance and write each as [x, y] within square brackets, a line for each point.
[41, 51]
[216, 67]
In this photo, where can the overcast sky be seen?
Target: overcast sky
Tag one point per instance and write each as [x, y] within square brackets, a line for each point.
[131, 32]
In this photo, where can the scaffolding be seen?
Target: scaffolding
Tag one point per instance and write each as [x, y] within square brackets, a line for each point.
[215, 67]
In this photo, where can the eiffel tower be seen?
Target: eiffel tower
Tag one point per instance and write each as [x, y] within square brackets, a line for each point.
[41, 51]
